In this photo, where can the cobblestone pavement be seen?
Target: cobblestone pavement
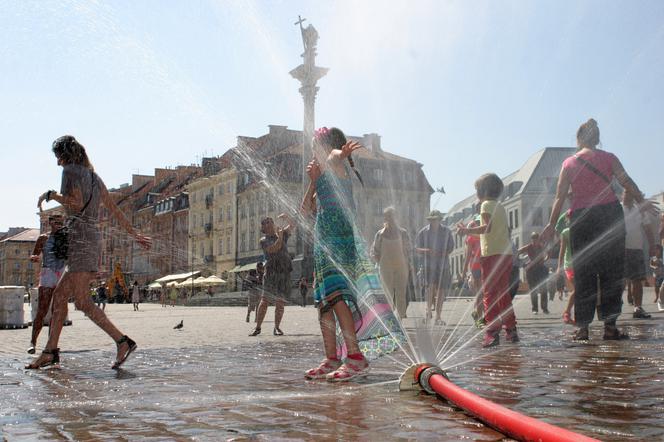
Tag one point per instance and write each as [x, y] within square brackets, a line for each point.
[210, 381]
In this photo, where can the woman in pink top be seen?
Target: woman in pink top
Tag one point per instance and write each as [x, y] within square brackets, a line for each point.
[597, 230]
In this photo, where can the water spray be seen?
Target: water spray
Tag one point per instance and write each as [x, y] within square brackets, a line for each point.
[434, 380]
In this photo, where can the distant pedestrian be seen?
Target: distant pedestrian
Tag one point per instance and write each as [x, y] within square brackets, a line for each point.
[433, 245]
[278, 267]
[536, 272]
[636, 227]
[81, 194]
[565, 264]
[173, 294]
[391, 250]
[304, 289]
[102, 296]
[472, 262]
[597, 230]
[135, 296]
[657, 267]
[52, 269]
[254, 288]
[496, 260]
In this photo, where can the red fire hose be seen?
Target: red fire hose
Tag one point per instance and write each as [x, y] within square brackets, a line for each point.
[506, 421]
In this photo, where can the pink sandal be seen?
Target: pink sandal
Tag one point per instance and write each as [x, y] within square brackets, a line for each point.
[349, 370]
[326, 367]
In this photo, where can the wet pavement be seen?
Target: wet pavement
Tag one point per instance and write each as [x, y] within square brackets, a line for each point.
[218, 384]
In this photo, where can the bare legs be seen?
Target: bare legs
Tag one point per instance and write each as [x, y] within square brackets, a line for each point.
[262, 311]
[45, 295]
[328, 329]
[437, 294]
[77, 284]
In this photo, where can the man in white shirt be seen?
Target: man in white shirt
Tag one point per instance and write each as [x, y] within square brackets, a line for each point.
[636, 227]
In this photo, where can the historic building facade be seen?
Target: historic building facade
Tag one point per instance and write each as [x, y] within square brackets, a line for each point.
[15, 265]
[262, 177]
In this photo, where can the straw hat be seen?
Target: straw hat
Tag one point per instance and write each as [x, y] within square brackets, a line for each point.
[435, 214]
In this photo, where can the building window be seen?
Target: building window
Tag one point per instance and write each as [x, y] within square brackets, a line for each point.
[511, 222]
[378, 207]
[516, 218]
[378, 174]
[194, 219]
[193, 196]
[230, 189]
[220, 190]
[252, 209]
[243, 211]
[228, 245]
[537, 216]
[252, 240]
[221, 214]
[229, 213]
[243, 242]
[221, 246]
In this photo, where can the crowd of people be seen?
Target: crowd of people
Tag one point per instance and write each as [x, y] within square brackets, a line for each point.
[360, 292]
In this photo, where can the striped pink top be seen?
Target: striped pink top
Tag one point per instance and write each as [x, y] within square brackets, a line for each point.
[588, 189]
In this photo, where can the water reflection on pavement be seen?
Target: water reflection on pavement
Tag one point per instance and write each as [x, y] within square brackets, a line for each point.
[612, 391]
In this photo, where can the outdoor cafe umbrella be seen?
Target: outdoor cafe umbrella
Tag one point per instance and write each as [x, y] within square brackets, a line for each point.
[213, 280]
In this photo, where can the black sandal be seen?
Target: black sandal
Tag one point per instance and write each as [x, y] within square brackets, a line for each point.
[256, 332]
[581, 334]
[611, 333]
[55, 359]
[132, 346]
[277, 331]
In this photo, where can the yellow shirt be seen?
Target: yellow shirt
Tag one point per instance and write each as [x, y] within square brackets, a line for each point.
[497, 241]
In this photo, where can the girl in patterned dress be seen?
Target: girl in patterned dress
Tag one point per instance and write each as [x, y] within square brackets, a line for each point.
[347, 290]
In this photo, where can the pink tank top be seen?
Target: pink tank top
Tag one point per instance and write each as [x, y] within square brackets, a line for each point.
[588, 189]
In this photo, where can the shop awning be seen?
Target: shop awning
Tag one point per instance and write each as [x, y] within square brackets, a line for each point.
[244, 268]
[178, 276]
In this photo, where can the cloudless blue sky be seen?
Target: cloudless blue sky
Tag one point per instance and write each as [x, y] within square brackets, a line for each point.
[463, 87]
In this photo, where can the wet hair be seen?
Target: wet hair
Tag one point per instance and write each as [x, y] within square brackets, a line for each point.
[588, 134]
[70, 151]
[489, 186]
[335, 139]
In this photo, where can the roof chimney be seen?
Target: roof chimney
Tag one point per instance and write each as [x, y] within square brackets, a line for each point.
[372, 142]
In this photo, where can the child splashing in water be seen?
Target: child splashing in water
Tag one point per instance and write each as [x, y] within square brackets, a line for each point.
[496, 260]
[346, 289]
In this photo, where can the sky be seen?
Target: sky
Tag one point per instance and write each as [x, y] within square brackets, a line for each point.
[463, 87]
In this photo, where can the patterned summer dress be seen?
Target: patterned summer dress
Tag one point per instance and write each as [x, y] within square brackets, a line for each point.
[342, 266]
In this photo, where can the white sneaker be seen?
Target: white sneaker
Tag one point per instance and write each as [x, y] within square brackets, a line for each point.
[660, 307]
